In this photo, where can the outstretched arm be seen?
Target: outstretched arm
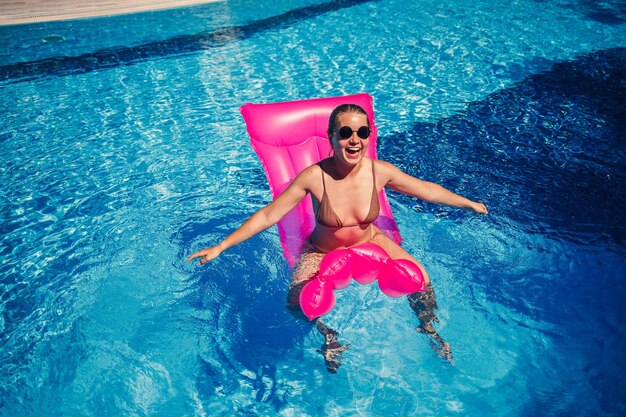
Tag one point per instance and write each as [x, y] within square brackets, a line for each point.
[262, 219]
[424, 190]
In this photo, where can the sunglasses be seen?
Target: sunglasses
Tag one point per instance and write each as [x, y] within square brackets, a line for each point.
[345, 132]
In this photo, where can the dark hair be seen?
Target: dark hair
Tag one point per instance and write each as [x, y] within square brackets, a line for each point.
[339, 110]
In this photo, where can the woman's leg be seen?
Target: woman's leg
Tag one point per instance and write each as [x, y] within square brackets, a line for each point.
[306, 269]
[423, 304]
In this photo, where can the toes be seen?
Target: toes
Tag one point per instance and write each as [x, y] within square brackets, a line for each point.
[332, 353]
[444, 351]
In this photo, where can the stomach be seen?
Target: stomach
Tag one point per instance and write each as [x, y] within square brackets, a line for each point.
[326, 239]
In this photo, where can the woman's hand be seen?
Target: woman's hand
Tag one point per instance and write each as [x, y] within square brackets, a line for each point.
[207, 254]
[479, 208]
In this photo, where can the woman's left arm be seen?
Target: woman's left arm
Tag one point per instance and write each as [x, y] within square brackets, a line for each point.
[424, 190]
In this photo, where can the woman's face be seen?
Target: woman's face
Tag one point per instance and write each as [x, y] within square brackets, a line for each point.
[352, 149]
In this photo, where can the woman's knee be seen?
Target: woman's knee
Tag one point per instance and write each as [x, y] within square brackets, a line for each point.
[305, 270]
[306, 267]
[397, 252]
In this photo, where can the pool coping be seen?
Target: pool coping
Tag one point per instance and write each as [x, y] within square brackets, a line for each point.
[35, 11]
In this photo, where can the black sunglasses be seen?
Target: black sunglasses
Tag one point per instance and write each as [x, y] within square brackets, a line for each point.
[345, 132]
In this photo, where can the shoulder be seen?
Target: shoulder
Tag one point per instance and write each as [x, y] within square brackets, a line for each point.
[380, 164]
[389, 174]
[311, 170]
[308, 176]
[385, 168]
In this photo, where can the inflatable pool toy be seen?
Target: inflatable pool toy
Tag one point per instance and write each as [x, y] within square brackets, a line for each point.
[290, 136]
[364, 263]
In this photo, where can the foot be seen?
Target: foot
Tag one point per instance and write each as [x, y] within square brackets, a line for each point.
[439, 346]
[332, 351]
[444, 351]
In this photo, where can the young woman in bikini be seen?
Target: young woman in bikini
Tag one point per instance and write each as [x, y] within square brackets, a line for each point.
[345, 190]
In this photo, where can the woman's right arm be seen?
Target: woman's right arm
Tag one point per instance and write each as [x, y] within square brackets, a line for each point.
[264, 218]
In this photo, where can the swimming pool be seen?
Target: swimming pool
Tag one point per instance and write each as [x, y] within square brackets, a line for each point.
[123, 151]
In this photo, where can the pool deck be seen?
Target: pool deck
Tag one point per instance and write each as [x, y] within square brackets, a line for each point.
[13, 12]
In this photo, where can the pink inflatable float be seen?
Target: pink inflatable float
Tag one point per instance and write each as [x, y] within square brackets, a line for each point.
[290, 136]
[364, 263]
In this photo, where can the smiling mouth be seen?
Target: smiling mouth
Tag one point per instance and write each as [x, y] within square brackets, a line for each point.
[353, 151]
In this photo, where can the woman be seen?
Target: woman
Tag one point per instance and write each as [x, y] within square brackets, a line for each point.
[345, 190]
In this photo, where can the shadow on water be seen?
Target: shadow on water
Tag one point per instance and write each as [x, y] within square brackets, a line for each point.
[548, 156]
[547, 153]
[607, 12]
[611, 12]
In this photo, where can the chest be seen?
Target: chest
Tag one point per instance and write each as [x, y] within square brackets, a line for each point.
[347, 198]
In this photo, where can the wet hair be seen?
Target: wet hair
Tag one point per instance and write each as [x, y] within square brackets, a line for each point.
[339, 110]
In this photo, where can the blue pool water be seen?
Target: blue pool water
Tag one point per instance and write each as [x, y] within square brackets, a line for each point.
[123, 151]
